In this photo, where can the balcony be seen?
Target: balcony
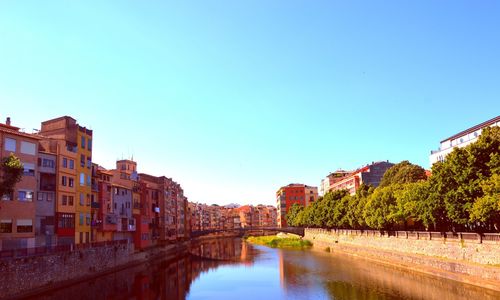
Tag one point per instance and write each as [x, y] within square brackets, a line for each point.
[48, 187]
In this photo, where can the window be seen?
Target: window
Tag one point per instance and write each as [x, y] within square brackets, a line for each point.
[87, 219]
[89, 144]
[82, 179]
[64, 180]
[89, 180]
[47, 163]
[7, 197]
[29, 169]
[64, 200]
[83, 142]
[88, 199]
[65, 220]
[81, 219]
[70, 200]
[25, 195]
[28, 148]
[65, 162]
[10, 144]
[24, 225]
[89, 162]
[82, 160]
[71, 164]
[71, 182]
[5, 226]
[82, 199]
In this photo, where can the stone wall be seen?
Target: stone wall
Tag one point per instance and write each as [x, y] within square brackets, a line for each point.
[439, 256]
[26, 274]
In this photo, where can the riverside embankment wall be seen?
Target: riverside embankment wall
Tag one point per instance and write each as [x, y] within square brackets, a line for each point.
[28, 275]
[25, 276]
[455, 259]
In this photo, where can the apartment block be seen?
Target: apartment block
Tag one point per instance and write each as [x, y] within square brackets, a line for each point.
[460, 140]
[351, 180]
[72, 145]
[45, 204]
[291, 194]
[17, 210]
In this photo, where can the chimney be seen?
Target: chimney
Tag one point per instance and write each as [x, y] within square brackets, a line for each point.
[7, 122]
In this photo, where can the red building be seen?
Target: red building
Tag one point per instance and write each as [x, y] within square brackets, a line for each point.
[292, 194]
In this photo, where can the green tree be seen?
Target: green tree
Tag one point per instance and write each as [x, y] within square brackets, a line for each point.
[486, 209]
[292, 216]
[12, 172]
[378, 207]
[458, 181]
[403, 172]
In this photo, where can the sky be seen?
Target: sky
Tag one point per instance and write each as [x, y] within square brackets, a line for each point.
[233, 99]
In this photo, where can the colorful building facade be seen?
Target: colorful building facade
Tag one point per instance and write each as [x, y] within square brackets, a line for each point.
[292, 194]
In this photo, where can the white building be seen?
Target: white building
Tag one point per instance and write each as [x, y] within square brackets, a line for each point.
[461, 139]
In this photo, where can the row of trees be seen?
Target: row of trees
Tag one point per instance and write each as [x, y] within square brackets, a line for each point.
[463, 194]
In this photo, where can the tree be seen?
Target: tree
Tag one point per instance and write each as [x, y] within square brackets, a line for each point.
[293, 214]
[458, 181]
[378, 207]
[486, 209]
[12, 172]
[403, 172]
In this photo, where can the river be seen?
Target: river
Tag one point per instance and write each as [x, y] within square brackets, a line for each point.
[233, 269]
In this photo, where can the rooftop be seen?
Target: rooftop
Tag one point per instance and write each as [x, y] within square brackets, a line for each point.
[474, 128]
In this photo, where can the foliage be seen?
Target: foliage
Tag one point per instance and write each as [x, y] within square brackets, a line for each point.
[12, 172]
[403, 172]
[463, 193]
[291, 216]
[280, 242]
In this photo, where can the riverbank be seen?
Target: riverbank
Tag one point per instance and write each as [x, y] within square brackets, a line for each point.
[274, 241]
[25, 277]
[425, 256]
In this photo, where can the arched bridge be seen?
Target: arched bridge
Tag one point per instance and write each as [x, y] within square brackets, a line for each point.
[243, 231]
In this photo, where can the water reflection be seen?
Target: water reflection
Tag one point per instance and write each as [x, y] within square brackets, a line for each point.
[336, 276]
[231, 268]
[160, 279]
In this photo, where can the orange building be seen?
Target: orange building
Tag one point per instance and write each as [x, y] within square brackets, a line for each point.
[73, 146]
[17, 210]
[292, 194]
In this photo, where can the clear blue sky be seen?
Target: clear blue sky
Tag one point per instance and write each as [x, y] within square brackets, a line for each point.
[234, 99]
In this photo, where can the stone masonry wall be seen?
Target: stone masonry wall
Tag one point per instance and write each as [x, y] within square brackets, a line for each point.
[450, 259]
[25, 274]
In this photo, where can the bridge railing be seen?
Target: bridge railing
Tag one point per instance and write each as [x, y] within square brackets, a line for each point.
[295, 230]
[470, 237]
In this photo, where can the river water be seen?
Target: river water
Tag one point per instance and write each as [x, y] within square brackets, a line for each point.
[234, 269]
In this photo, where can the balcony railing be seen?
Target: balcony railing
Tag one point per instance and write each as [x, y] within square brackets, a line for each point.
[48, 187]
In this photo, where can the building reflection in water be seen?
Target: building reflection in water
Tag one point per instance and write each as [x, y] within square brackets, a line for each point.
[337, 276]
[160, 280]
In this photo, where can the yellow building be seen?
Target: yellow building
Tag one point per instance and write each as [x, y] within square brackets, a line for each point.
[73, 146]
[83, 186]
